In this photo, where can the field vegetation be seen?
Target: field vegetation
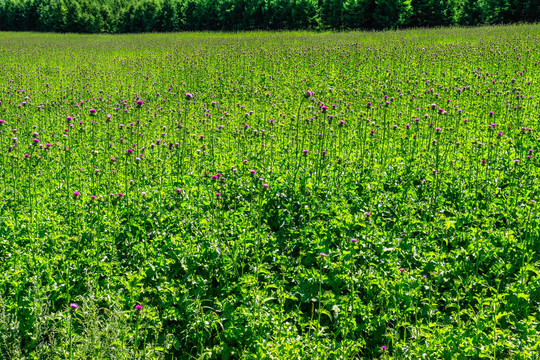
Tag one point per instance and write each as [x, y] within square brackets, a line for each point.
[299, 195]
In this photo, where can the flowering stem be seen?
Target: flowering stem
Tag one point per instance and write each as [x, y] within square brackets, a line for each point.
[136, 350]
[70, 338]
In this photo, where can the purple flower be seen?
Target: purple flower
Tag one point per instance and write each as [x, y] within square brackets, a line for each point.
[305, 152]
[76, 193]
[308, 94]
[138, 307]
[140, 103]
[323, 254]
[120, 194]
[218, 195]
[384, 347]
[178, 190]
[189, 96]
[401, 270]
[354, 240]
[93, 111]
[74, 306]
[130, 151]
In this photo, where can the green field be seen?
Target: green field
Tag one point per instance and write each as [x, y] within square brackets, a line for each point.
[288, 195]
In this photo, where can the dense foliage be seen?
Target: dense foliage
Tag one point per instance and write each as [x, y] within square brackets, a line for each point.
[270, 196]
[136, 16]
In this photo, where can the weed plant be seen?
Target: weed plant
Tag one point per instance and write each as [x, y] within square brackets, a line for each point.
[270, 195]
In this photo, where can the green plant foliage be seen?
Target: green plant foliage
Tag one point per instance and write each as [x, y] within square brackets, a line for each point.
[122, 16]
[268, 195]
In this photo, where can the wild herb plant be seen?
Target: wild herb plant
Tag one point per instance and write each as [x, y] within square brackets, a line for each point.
[270, 195]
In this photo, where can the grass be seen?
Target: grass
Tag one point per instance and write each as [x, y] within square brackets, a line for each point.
[391, 212]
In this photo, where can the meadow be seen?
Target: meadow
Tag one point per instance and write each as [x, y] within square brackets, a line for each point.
[353, 195]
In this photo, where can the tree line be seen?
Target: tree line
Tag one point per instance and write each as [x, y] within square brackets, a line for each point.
[136, 16]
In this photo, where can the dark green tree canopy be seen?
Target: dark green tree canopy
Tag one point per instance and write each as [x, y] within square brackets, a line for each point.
[118, 16]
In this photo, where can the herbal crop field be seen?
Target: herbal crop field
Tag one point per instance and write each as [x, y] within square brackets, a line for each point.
[295, 195]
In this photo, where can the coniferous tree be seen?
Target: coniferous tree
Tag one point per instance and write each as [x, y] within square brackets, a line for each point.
[52, 16]
[332, 13]
[390, 14]
[469, 13]
[230, 14]
[168, 19]
[357, 14]
[429, 13]
[305, 14]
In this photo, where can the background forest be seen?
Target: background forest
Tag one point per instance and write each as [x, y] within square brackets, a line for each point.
[136, 16]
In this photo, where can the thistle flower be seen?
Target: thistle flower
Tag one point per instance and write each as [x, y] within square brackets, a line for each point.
[74, 306]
